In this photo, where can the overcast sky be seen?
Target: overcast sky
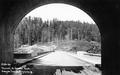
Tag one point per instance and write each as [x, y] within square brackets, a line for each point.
[61, 12]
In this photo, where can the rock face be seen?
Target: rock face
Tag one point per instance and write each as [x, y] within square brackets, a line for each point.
[6, 44]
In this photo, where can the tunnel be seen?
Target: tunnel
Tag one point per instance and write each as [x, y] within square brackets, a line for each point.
[104, 13]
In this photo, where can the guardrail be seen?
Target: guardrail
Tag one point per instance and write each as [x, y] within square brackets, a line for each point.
[34, 58]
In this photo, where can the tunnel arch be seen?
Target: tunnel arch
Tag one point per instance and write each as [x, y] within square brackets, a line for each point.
[104, 13]
[17, 10]
[55, 3]
[29, 8]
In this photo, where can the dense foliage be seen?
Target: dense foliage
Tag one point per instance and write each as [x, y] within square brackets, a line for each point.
[32, 30]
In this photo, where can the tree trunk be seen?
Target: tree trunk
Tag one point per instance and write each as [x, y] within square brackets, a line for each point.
[71, 34]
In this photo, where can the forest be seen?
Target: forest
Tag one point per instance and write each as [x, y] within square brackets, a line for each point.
[32, 30]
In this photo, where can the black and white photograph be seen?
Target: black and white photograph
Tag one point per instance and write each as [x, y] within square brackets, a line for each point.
[57, 38]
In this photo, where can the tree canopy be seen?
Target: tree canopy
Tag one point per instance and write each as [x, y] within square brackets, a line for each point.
[32, 30]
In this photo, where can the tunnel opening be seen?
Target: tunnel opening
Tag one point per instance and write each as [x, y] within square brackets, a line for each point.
[34, 35]
[12, 12]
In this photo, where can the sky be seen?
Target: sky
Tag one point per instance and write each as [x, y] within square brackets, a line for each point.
[61, 12]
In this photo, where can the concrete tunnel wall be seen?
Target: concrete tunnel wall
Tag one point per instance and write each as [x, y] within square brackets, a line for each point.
[104, 13]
